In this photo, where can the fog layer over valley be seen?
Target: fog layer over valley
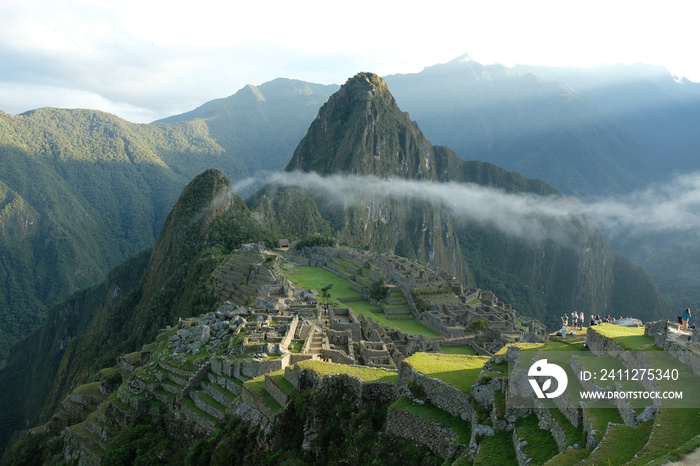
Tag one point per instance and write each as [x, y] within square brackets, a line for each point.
[672, 207]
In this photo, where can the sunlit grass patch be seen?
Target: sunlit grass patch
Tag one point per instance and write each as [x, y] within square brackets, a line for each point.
[458, 370]
[316, 278]
[541, 445]
[364, 374]
[630, 338]
[497, 449]
[256, 386]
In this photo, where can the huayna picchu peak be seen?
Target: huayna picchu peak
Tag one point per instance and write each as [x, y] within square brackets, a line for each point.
[360, 130]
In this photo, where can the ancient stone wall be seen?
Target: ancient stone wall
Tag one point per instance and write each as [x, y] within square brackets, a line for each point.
[258, 404]
[441, 394]
[291, 330]
[280, 397]
[251, 368]
[337, 356]
[440, 440]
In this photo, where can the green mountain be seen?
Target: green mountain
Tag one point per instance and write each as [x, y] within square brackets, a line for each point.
[149, 291]
[361, 131]
[261, 125]
[82, 190]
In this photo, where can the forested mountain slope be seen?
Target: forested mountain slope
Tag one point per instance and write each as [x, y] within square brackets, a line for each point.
[82, 190]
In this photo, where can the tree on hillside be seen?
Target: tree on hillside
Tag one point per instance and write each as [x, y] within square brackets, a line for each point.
[325, 292]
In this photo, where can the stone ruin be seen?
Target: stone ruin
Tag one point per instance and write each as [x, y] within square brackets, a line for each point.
[279, 319]
[452, 306]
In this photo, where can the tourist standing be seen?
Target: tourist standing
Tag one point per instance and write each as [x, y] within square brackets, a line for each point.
[564, 324]
[685, 318]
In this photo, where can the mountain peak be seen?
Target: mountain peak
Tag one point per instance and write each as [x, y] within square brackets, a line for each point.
[366, 86]
[251, 92]
[361, 130]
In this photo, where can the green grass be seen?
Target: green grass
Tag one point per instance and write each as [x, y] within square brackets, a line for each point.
[460, 371]
[621, 444]
[678, 453]
[522, 346]
[574, 435]
[92, 389]
[630, 338]
[208, 399]
[190, 404]
[395, 306]
[412, 326]
[163, 392]
[280, 382]
[296, 348]
[133, 358]
[347, 263]
[114, 399]
[467, 349]
[541, 445]
[223, 391]
[674, 427]
[601, 417]
[111, 374]
[256, 386]
[427, 411]
[497, 450]
[364, 374]
[315, 278]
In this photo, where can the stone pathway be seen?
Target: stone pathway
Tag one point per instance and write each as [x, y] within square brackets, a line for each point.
[691, 459]
[317, 341]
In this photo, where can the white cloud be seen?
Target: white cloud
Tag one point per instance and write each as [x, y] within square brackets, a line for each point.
[163, 55]
[674, 207]
[525, 216]
[662, 208]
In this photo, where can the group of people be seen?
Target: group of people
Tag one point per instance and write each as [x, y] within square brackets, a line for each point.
[576, 321]
[597, 320]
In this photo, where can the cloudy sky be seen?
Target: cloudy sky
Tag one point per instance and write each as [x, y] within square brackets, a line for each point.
[147, 59]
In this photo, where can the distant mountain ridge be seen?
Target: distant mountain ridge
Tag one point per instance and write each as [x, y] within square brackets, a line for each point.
[543, 129]
[590, 132]
[243, 123]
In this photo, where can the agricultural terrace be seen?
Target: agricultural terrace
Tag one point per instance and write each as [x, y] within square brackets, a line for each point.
[458, 370]
[316, 278]
[630, 338]
[674, 432]
[364, 374]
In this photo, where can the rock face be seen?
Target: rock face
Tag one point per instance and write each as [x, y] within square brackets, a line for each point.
[361, 130]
